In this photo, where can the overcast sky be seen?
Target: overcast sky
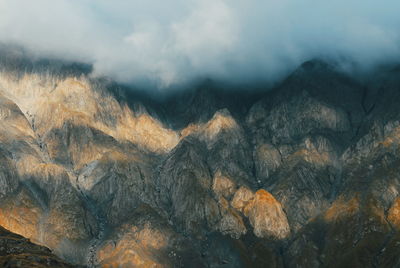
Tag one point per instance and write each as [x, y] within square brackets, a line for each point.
[170, 42]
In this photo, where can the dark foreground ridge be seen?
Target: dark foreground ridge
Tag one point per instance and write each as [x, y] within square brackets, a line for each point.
[17, 251]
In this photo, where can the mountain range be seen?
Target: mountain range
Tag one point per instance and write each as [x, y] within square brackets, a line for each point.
[305, 173]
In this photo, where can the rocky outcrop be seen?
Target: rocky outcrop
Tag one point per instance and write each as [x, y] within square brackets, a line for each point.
[266, 216]
[394, 214]
[301, 175]
[265, 213]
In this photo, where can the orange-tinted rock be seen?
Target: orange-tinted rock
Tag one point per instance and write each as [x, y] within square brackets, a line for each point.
[22, 215]
[342, 208]
[394, 214]
[241, 198]
[267, 216]
[264, 212]
[133, 248]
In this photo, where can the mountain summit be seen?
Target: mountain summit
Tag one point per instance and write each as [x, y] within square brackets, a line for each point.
[305, 174]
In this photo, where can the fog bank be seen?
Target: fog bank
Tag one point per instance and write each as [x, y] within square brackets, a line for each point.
[168, 43]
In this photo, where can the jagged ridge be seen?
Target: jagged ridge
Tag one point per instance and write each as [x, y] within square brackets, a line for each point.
[303, 175]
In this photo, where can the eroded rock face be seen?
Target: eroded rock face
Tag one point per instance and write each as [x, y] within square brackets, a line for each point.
[265, 213]
[303, 175]
[394, 214]
[242, 198]
[231, 222]
[8, 177]
[132, 243]
[185, 173]
[223, 186]
[266, 216]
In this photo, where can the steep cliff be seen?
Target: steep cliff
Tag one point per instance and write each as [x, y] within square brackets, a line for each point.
[305, 174]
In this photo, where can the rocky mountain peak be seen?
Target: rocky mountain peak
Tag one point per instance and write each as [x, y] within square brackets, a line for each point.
[301, 175]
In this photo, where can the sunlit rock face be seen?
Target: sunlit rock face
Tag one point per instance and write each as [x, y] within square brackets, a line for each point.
[263, 211]
[394, 214]
[305, 174]
[51, 102]
[266, 216]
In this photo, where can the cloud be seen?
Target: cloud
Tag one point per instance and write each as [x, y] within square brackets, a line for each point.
[171, 42]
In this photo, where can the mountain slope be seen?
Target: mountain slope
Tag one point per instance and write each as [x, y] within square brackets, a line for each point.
[17, 251]
[301, 175]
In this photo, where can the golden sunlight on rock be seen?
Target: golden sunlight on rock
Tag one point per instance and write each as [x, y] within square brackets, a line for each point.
[265, 213]
[241, 198]
[23, 216]
[392, 138]
[301, 173]
[342, 208]
[152, 135]
[317, 153]
[49, 104]
[13, 123]
[267, 216]
[30, 165]
[134, 248]
[394, 214]
[221, 121]
[312, 156]
[190, 129]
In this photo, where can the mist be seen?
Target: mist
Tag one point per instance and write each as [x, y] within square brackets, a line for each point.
[168, 43]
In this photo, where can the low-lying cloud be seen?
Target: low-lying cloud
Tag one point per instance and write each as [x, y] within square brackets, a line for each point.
[172, 42]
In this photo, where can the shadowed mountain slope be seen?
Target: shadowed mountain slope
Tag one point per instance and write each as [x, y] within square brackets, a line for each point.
[301, 175]
[17, 251]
